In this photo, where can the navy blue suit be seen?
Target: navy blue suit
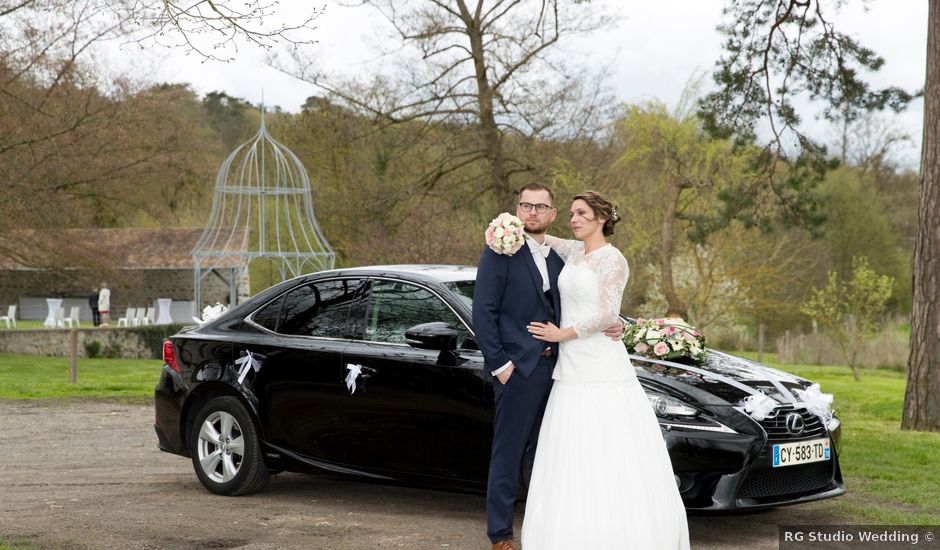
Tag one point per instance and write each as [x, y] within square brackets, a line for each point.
[508, 296]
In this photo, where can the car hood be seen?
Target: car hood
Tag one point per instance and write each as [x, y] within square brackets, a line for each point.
[717, 380]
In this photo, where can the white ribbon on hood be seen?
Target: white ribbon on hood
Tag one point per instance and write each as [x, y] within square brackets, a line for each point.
[758, 404]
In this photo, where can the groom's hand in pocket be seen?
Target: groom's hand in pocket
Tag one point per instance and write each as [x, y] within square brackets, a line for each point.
[503, 377]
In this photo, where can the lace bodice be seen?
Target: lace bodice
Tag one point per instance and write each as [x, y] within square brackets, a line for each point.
[592, 288]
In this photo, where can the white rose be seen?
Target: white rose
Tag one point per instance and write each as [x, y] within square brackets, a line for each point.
[652, 335]
[499, 232]
[508, 239]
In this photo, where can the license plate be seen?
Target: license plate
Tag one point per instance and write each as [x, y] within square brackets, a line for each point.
[800, 452]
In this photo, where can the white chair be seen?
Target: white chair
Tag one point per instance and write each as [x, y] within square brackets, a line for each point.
[151, 317]
[141, 318]
[128, 318]
[58, 317]
[72, 318]
[10, 317]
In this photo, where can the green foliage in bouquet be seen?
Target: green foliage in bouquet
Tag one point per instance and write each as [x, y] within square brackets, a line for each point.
[666, 339]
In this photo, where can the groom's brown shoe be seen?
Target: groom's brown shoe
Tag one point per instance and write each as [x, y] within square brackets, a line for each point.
[507, 544]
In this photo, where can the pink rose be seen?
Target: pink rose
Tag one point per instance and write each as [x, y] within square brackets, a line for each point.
[641, 348]
[670, 330]
[640, 320]
[489, 235]
[661, 349]
[660, 322]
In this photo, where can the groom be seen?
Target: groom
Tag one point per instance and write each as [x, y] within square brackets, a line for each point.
[510, 292]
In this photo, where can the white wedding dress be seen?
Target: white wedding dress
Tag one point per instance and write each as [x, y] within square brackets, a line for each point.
[602, 477]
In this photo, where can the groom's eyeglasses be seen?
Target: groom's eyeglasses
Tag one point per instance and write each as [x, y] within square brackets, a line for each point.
[528, 206]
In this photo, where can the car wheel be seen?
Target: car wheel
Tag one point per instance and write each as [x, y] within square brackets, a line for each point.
[225, 449]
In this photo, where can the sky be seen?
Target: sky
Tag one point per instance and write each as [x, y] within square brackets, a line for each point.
[652, 54]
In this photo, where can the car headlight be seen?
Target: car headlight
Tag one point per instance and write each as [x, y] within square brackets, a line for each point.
[675, 414]
[663, 405]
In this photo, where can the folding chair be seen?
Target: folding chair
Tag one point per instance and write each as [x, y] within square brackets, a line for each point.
[128, 318]
[10, 317]
[59, 318]
[151, 317]
[141, 318]
[72, 318]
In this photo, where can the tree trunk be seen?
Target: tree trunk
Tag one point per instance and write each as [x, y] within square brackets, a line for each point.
[922, 400]
[490, 136]
[667, 248]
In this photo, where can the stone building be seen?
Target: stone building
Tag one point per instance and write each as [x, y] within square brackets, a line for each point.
[139, 265]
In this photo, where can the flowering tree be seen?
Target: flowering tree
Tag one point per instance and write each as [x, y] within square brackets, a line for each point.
[850, 311]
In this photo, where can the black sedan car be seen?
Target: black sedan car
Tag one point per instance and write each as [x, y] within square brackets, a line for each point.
[374, 372]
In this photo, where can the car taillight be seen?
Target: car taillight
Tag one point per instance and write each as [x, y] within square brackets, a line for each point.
[169, 357]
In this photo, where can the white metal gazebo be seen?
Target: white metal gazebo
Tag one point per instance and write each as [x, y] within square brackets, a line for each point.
[262, 208]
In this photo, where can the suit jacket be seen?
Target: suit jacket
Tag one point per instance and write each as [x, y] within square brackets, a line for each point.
[508, 296]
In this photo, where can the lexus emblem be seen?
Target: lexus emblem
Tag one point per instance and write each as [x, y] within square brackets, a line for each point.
[795, 423]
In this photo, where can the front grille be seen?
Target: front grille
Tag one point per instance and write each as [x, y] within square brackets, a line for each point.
[776, 425]
[785, 481]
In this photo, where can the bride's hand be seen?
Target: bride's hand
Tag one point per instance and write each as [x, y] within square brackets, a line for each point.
[548, 332]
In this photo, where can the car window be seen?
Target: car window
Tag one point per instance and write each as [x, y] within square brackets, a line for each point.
[397, 306]
[320, 309]
[268, 316]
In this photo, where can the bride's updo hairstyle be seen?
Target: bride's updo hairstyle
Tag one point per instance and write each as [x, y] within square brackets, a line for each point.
[602, 208]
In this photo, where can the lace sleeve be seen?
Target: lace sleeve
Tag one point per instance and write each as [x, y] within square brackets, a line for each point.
[612, 273]
[564, 247]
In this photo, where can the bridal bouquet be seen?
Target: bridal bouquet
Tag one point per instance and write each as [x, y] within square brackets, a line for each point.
[505, 234]
[665, 339]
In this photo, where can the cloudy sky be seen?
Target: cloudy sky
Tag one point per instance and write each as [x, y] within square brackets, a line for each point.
[652, 54]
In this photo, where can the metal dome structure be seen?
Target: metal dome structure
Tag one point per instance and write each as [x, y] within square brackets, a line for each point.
[262, 208]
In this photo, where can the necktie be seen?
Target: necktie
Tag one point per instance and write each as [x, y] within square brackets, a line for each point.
[543, 249]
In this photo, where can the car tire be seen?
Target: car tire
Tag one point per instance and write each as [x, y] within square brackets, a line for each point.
[225, 449]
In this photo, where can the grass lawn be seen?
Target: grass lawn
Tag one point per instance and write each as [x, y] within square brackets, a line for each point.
[29, 377]
[892, 476]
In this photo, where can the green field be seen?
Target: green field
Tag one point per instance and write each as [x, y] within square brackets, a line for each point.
[892, 476]
[30, 377]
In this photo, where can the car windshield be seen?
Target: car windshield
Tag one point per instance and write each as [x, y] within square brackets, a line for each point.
[462, 290]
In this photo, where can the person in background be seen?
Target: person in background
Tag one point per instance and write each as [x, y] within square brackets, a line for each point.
[104, 304]
[93, 304]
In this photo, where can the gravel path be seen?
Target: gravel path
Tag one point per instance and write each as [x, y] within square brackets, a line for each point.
[88, 475]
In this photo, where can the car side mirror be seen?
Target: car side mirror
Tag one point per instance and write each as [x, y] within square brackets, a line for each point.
[435, 336]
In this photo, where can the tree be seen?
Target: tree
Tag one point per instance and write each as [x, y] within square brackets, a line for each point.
[850, 310]
[162, 22]
[684, 175]
[781, 48]
[486, 72]
[88, 149]
[922, 398]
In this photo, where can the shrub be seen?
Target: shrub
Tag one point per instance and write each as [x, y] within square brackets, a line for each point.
[112, 351]
[93, 349]
[152, 337]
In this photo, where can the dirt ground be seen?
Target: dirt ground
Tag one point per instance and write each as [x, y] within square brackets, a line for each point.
[88, 475]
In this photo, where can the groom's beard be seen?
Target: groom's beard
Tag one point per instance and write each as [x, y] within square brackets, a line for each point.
[534, 227]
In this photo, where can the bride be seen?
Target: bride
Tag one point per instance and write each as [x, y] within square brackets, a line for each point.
[602, 476]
